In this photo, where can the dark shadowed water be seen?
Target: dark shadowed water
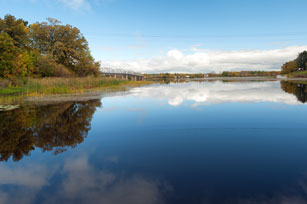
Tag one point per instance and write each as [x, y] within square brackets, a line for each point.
[210, 142]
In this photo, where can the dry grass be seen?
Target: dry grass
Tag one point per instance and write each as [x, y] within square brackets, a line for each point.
[47, 86]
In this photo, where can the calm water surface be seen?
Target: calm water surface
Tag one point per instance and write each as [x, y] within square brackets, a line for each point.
[209, 142]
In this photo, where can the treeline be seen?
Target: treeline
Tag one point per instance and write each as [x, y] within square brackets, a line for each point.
[223, 74]
[173, 76]
[298, 64]
[246, 74]
[44, 49]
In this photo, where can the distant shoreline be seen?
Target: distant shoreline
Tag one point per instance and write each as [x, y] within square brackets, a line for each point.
[251, 78]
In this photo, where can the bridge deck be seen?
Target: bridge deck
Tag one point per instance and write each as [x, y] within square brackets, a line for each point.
[125, 74]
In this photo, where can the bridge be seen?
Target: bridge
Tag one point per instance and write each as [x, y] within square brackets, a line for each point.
[122, 74]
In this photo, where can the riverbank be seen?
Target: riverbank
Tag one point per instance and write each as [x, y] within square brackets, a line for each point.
[298, 74]
[38, 87]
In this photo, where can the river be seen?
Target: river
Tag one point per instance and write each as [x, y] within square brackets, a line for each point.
[194, 142]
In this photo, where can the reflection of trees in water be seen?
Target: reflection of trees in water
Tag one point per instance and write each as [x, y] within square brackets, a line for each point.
[52, 127]
[295, 88]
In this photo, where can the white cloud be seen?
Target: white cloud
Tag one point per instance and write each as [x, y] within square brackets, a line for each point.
[211, 60]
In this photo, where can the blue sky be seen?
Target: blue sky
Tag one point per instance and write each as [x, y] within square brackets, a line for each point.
[183, 36]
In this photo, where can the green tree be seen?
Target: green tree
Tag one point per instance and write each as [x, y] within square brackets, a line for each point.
[16, 58]
[66, 44]
[13, 60]
[43, 49]
[16, 28]
[225, 74]
[8, 53]
[302, 60]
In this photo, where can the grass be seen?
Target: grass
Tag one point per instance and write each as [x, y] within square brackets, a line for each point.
[299, 74]
[47, 86]
[10, 91]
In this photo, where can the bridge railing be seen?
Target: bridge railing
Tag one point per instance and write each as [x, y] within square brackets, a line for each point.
[106, 70]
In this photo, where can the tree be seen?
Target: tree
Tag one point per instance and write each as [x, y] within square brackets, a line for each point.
[13, 60]
[43, 49]
[225, 74]
[289, 67]
[7, 55]
[66, 44]
[16, 28]
[302, 60]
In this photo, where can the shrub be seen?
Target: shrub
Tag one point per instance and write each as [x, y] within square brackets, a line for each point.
[62, 71]
[46, 65]
[4, 83]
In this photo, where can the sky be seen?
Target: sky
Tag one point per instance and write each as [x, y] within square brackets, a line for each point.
[152, 36]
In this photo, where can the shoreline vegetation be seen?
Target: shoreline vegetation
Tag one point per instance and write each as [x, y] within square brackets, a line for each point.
[47, 86]
[42, 87]
[296, 68]
[240, 74]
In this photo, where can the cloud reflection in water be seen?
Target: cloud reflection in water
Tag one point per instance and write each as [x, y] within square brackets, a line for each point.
[80, 183]
[217, 92]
